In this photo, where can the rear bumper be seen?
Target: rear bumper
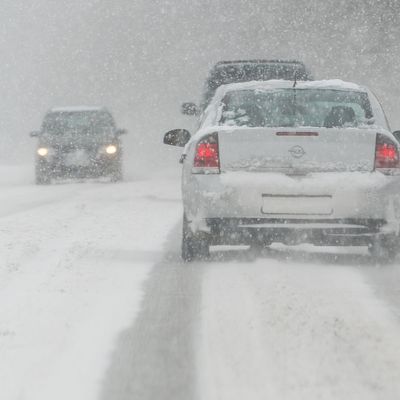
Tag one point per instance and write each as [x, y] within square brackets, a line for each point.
[332, 232]
[323, 208]
[271, 195]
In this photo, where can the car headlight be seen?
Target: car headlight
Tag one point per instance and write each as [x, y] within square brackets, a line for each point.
[43, 151]
[111, 149]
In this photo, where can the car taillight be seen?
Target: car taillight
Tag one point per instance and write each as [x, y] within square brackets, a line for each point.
[206, 158]
[386, 153]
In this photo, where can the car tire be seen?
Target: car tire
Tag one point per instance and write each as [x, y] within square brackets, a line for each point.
[194, 246]
[384, 250]
[116, 174]
[42, 179]
[258, 247]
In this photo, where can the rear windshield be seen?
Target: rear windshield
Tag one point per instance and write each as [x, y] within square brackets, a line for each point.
[226, 74]
[83, 121]
[296, 107]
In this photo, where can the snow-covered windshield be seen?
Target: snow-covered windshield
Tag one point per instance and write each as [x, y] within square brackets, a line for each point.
[58, 123]
[295, 107]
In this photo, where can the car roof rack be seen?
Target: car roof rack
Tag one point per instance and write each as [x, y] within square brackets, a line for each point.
[78, 109]
[258, 61]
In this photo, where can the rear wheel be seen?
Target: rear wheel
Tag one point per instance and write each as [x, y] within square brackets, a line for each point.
[42, 178]
[194, 246]
[258, 247]
[384, 250]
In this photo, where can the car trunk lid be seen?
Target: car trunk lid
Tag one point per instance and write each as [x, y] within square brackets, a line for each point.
[297, 150]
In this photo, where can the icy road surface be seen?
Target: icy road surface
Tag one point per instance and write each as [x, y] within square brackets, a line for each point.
[95, 304]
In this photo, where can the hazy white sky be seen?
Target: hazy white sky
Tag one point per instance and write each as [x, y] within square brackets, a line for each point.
[142, 59]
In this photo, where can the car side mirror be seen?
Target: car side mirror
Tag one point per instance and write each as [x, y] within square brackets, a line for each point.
[177, 137]
[34, 133]
[120, 132]
[371, 121]
[396, 134]
[189, 109]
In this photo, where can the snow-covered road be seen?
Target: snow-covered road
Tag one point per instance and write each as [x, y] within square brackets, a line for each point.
[73, 261]
[286, 324]
[96, 304]
[307, 329]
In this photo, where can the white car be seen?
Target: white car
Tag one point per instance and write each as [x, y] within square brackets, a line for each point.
[291, 162]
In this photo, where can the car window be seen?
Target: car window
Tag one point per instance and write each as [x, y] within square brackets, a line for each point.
[59, 122]
[295, 107]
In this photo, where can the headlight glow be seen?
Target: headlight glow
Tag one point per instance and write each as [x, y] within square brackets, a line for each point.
[111, 149]
[43, 151]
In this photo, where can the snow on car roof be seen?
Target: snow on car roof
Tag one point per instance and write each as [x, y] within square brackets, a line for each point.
[284, 84]
[77, 109]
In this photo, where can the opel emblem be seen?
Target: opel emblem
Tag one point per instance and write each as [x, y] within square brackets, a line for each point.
[297, 151]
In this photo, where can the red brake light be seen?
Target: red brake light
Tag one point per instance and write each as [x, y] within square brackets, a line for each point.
[206, 159]
[206, 155]
[386, 153]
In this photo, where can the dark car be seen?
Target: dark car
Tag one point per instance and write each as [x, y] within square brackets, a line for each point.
[78, 142]
[225, 72]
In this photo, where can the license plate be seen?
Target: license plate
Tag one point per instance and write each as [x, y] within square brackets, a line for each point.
[297, 205]
[77, 158]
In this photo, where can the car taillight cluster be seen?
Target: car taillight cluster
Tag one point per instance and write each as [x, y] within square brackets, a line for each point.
[206, 159]
[386, 153]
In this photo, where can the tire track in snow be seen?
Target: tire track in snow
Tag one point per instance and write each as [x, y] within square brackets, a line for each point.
[155, 357]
